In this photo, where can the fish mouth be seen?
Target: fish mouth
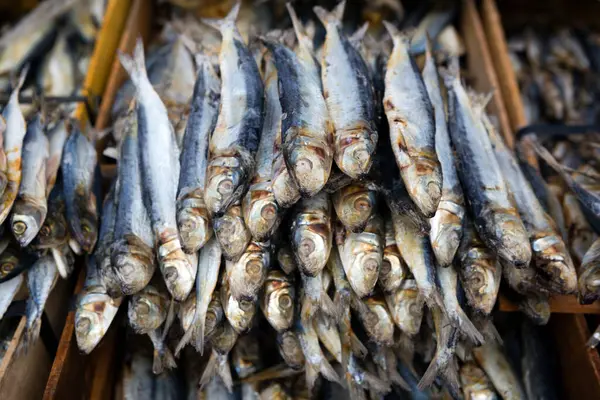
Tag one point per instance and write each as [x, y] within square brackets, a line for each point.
[423, 180]
[194, 229]
[311, 250]
[309, 166]
[88, 331]
[25, 227]
[263, 216]
[225, 184]
[391, 273]
[178, 276]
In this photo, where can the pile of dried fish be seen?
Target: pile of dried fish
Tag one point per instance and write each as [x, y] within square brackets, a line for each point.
[48, 196]
[352, 196]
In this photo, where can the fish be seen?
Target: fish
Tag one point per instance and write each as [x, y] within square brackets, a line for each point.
[415, 248]
[94, 311]
[314, 298]
[87, 18]
[550, 254]
[13, 261]
[8, 291]
[492, 360]
[362, 256]
[57, 77]
[284, 188]
[349, 94]
[431, 26]
[478, 270]
[406, 307]
[55, 231]
[275, 390]
[536, 307]
[311, 233]
[235, 140]
[496, 219]
[246, 356]
[157, 142]
[375, 318]
[354, 205]
[262, 214]
[239, 313]
[105, 241]
[588, 282]
[78, 167]
[209, 263]
[222, 342]
[13, 138]
[306, 129]
[290, 349]
[329, 336]
[277, 300]
[475, 383]
[57, 136]
[30, 207]
[232, 233]
[3, 160]
[248, 274]
[393, 271]
[538, 363]
[412, 126]
[132, 249]
[286, 259]
[147, 309]
[580, 234]
[162, 356]
[452, 301]
[365, 379]
[193, 219]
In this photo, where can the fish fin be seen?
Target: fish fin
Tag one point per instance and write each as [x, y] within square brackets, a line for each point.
[358, 348]
[135, 65]
[594, 340]
[163, 360]
[311, 375]
[429, 50]
[224, 372]
[230, 18]
[451, 379]
[185, 339]
[436, 366]
[301, 35]
[359, 34]
[328, 307]
[469, 329]
[62, 265]
[328, 371]
[169, 319]
[398, 36]
[331, 17]
[18, 82]
[209, 371]
[451, 74]
[32, 334]
[479, 101]
[375, 383]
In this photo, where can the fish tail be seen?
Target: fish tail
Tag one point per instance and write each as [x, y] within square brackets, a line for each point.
[594, 340]
[298, 27]
[163, 360]
[200, 323]
[31, 336]
[359, 34]
[328, 371]
[375, 383]
[358, 348]
[18, 83]
[136, 65]
[450, 375]
[398, 37]
[311, 375]
[224, 372]
[451, 74]
[469, 329]
[328, 307]
[209, 371]
[331, 17]
[436, 366]
[230, 18]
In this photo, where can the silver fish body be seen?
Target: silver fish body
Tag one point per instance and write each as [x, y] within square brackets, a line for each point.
[159, 156]
[193, 217]
[277, 301]
[30, 207]
[349, 95]
[376, 319]
[235, 140]
[354, 205]
[239, 313]
[232, 233]
[8, 291]
[497, 367]
[58, 70]
[57, 136]
[393, 270]
[105, 240]
[290, 349]
[580, 233]
[589, 275]
[329, 336]
[406, 307]
[147, 309]
[475, 383]
[412, 126]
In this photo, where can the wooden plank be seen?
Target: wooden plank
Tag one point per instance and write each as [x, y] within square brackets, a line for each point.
[558, 304]
[480, 66]
[580, 365]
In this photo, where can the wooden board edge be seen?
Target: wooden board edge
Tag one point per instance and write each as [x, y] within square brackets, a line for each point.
[564, 304]
[12, 347]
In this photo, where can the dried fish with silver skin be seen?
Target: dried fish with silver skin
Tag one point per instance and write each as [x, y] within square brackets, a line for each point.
[54, 231]
[57, 136]
[492, 360]
[479, 271]
[262, 214]
[536, 307]
[8, 291]
[550, 254]
[277, 300]
[57, 76]
[193, 218]
[306, 130]
[13, 143]
[406, 307]
[132, 249]
[232, 233]
[209, 263]
[475, 383]
[286, 258]
[147, 309]
[393, 270]
[314, 298]
[446, 224]
[354, 204]
[376, 319]
[87, 17]
[275, 390]
[311, 233]
[284, 188]
[94, 311]
[362, 256]
[580, 234]
[30, 207]
[222, 342]
[3, 160]
[105, 240]
[589, 275]
[329, 336]
[235, 140]
[247, 275]
[290, 349]
[78, 168]
[246, 357]
[159, 157]
[412, 126]
[349, 95]
[239, 313]
[496, 219]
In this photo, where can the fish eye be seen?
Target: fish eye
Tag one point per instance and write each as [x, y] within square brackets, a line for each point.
[386, 267]
[362, 204]
[371, 265]
[268, 212]
[477, 280]
[285, 301]
[19, 227]
[413, 309]
[307, 246]
[83, 325]
[7, 267]
[45, 231]
[253, 268]
[225, 187]
[142, 308]
[372, 318]
[245, 305]
[86, 228]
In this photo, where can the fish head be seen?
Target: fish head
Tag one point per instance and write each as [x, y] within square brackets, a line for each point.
[392, 273]
[224, 338]
[406, 307]
[9, 261]
[53, 232]
[225, 180]
[262, 214]
[537, 308]
[286, 260]
[232, 234]
[589, 284]
[354, 205]
[249, 272]
[87, 234]
[481, 281]
[355, 150]
[290, 349]
[179, 274]
[446, 233]
[423, 179]
[193, 222]
[364, 254]
[147, 310]
[239, 313]
[551, 256]
[214, 314]
[133, 265]
[246, 356]
[26, 221]
[93, 316]
[377, 322]
[308, 160]
[311, 242]
[278, 300]
[514, 245]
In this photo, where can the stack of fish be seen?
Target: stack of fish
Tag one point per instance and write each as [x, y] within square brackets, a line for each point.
[354, 198]
[48, 206]
[559, 76]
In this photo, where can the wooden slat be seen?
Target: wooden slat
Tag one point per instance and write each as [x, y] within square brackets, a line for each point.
[558, 304]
